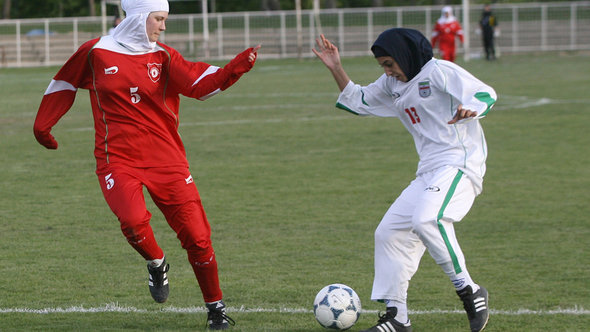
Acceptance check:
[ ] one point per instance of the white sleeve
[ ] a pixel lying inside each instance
(372, 99)
(472, 93)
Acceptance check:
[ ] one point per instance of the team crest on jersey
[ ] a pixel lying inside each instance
(424, 89)
(154, 71)
(111, 70)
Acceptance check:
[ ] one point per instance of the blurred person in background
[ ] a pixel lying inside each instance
(446, 30)
(488, 24)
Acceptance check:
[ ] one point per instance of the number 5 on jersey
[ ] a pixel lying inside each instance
(135, 97)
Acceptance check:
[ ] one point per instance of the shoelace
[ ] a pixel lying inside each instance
(218, 316)
(468, 304)
(384, 318)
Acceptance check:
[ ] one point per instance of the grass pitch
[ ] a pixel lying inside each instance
(294, 189)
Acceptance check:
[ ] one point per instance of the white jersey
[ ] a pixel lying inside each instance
(424, 105)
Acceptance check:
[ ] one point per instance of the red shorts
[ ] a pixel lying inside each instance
(172, 190)
(447, 52)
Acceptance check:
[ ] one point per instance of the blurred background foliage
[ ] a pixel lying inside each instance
(76, 8)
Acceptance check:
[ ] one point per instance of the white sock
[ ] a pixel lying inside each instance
(156, 262)
(460, 280)
(402, 310)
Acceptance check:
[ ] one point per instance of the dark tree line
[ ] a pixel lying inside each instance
(68, 8)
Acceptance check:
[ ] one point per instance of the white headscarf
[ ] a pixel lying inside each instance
(131, 32)
(443, 18)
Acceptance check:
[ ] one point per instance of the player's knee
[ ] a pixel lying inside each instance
(383, 234)
(134, 234)
(135, 229)
(192, 227)
(423, 223)
(201, 256)
(386, 236)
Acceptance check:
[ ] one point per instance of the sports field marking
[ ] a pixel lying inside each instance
(508, 102)
(114, 307)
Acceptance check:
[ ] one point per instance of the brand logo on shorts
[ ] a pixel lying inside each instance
(154, 70)
(424, 89)
(189, 180)
(432, 189)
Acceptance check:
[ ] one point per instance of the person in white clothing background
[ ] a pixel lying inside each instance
(440, 104)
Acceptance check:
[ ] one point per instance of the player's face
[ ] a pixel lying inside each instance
(391, 68)
(155, 24)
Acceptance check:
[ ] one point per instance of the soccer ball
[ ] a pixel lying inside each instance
(337, 306)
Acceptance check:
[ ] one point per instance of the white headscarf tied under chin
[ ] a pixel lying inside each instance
(443, 18)
(131, 32)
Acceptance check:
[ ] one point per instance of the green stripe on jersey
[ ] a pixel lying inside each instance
(486, 98)
(440, 225)
(363, 98)
(342, 107)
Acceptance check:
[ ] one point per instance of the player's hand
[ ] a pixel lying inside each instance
(46, 139)
(462, 113)
(243, 62)
(327, 52)
(252, 56)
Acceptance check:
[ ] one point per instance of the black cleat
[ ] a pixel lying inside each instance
(387, 323)
(159, 282)
(476, 306)
(216, 317)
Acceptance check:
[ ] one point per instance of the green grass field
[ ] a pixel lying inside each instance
(294, 189)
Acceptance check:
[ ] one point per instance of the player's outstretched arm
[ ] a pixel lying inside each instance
(328, 53)
(243, 62)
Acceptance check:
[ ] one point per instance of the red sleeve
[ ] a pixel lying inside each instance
(201, 80)
(435, 35)
(459, 32)
(60, 94)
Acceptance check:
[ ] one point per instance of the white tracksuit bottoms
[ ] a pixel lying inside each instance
(421, 218)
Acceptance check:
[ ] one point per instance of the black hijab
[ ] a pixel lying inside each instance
(408, 47)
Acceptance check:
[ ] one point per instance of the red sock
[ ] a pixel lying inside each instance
(207, 276)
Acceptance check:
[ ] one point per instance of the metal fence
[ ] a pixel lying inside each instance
(524, 27)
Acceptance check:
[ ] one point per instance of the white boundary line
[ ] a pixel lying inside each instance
(115, 307)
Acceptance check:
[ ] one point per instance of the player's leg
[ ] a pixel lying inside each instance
(492, 47)
(122, 188)
(452, 53)
(486, 42)
(398, 251)
(447, 199)
(178, 198)
(445, 51)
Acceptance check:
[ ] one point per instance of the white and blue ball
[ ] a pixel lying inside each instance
(337, 306)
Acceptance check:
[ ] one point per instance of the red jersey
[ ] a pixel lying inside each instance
(134, 98)
(446, 32)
